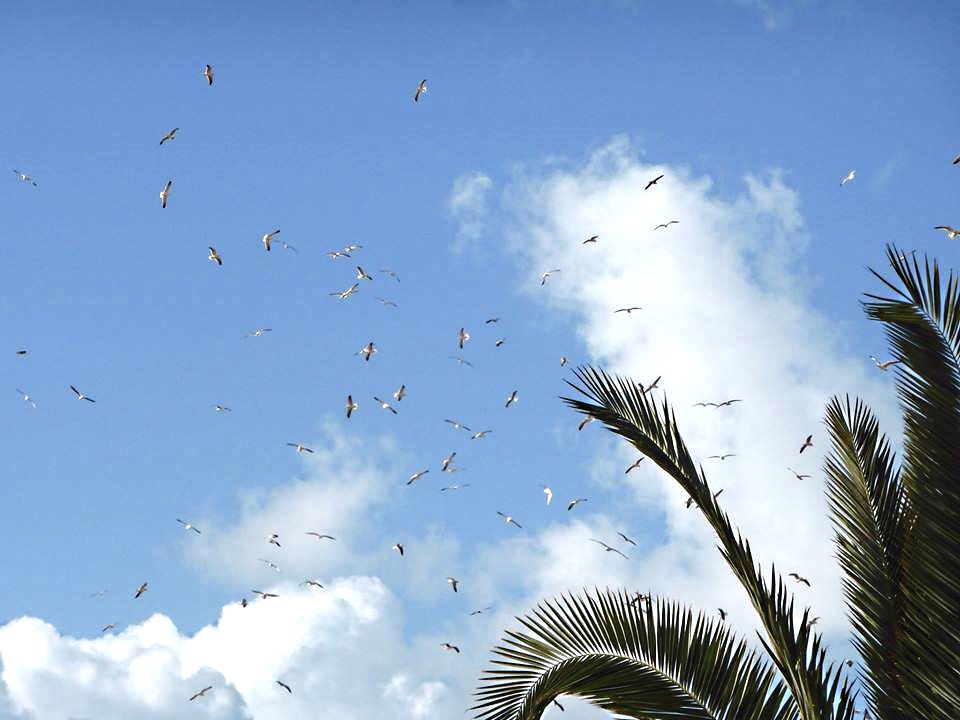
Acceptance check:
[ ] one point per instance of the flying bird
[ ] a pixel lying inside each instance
(508, 519)
(812, 621)
(448, 462)
(481, 611)
(416, 476)
(591, 239)
(319, 536)
(80, 395)
(214, 256)
(461, 360)
(267, 238)
(627, 310)
(885, 365)
(653, 182)
(398, 547)
(651, 386)
(169, 136)
(312, 583)
(344, 294)
(799, 476)
(400, 393)
(362, 274)
(26, 397)
(270, 564)
(586, 421)
(189, 526)
(391, 273)
(511, 399)
(140, 590)
(165, 193)
(626, 539)
(546, 276)
(384, 405)
(208, 74)
(208, 688)
(548, 492)
(284, 686)
(666, 224)
(351, 406)
(458, 425)
(576, 501)
(386, 303)
(491, 321)
(800, 579)
(26, 178)
(849, 178)
(499, 341)
(287, 246)
(336, 254)
(448, 646)
(808, 443)
(368, 350)
(557, 703)
(264, 595)
(454, 487)
(274, 539)
(723, 614)
(563, 361)
(421, 89)
(453, 583)
(634, 466)
(21, 352)
(259, 332)
(721, 457)
(952, 233)
(301, 448)
(608, 548)
(111, 626)
(480, 435)
(956, 160)
(462, 337)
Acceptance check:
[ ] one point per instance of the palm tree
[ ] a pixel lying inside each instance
(897, 531)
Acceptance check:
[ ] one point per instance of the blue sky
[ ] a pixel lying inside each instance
(310, 127)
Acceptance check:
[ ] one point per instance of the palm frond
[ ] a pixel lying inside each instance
(649, 660)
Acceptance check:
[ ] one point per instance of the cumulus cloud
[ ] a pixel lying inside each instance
(468, 204)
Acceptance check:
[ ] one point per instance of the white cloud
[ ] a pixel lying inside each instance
(468, 205)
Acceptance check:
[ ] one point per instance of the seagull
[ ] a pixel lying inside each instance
(81, 396)
(362, 274)
(165, 193)
(609, 549)
(208, 688)
(591, 239)
(208, 74)
(586, 421)
(416, 476)
(421, 89)
(481, 611)
(301, 448)
(272, 565)
(653, 182)
(259, 332)
(626, 539)
(384, 405)
(351, 406)
(312, 583)
(368, 350)
(453, 583)
(548, 492)
(952, 233)
(398, 547)
(387, 303)
(169, 136)
(454, 487)
(285, 686)
(287, 246)
(461, 360)
(274, 539)
(111, 626)
(573, 503)
(458, 425)
(26, 178)
(849, 178)
(800, 579)
(344, 294)
(666, 224)
(448, 646)
(797, 475)
(26, 397)
(267, 237)
(508, 519)
(189, 526)
(885, 365)
(723, 614)
(806, 443)
(563, 361)
(99, 593)
(391, 273)
(627, 310)
(480, 435)
(21, 352)
(956, 160)
(557, 703)
(462, 337)
(499, 341)
(448, 462)
(214, 256)
(319, 536)
(400, 393)
(634, 466)
(335, 254)
(651, 386)
(351, 248)
(491, 321)
(511, 399)
(264, 595)
(721, 457)
(546, 276)
(140, 590)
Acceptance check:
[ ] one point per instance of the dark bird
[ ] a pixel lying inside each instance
(651, 386)
(350, 406)
(214, 256)
(956, 160)
(609, 549)
(798, 476)
(453, 583)
(511, 399)
(490, 321)
(723, 614)
(312, 583)
(140, 591)
(666, 224)
(626, 539)
(21, 352)
(576, 501)
(169, 136)
(480, 611)
(808, 443)
(398, 547)
(208, 74)
(634, 466)
(111, 626)
(800, 579)
(721, 457)
(318, 536)
(555, 702)
(627, 310)
(448, 646)
(208, 688)
(285, 686)
(586, 421)
(653, 182)
(591, 239)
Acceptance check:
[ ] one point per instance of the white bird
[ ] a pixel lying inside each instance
(351, 406)
(546, 276)
(448, 462)
(884, 365)
(548, 492)
(165, 193)
(462, 337)
(634, 466)
(169, 136)
(301, 448)
(287, 246)
(368, 350)
(952, 233)
(398, 547)
(267, 238)
(140, 590)
(453, 583)
(509, 519)
(511, 399)
(563, 361)
(461, 360)
(416, 476)
(344, 294)
(362, 274)
(849, 178)
(454, 487)
(26, 397)
(319, 536)
(458, 425)
(208, 74)
(274, 539)
(264, 595)
(384, 405)
(392, 274)
(499, 341)
(269, 564)
(259, 332)
(214, 256)
(386, 303)
(312, 583)
(189, 526)
(400, 393)
(421, 89)
(26, 178)
(480, 435)
(576, 501)
(337, 254)
(80, 395)
(609, 548)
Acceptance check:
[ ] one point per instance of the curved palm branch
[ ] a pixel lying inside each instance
(795, 650)
(647, 659)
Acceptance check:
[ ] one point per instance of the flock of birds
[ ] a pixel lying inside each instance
(447, 465)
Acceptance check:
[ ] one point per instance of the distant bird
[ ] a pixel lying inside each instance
(301, 448)
(591, 239)
(811, 622)
(140, 590)
(557, 703)
(689, 503)
(903, 255)
(270, 564)
(111, 626)
(544, 276)
(608, 548)
(511, 399)
(274, 539)
(398, 547)
(627, 310)
(214, 256)
(344, 294)
(26, 397)
(351, 248)
(499, 341)
(808, 443)
(312, 583)
(384, 405)
(208, 74)
(885, 365)
(651, 386)
(800, 579)
(267, 238)
(26, 178)
(386, 303)
(797, 475)
(721, 457)
(421, 89)
(653, 182)
(448, 646)
(448, 462)
(481, 611)
(508, 519)
(259, 332)
(368, 351)
(548, 492)
(189, 526)
(849, 178)
(165, 193)
(586, 421)
(461, 360)
(336, 254)
(576, 501)
(666, 224)
(640, 598)
(491, 321)
(462, 337)
(952, 233)
(400, 393)
(99, 593)
(362, 274)
(634, 466)
(416, 476)
(264, 595)
(169, 136)
(723, 614)
(391, 273)
(453, 583)
(287, 246)
(351, 406)
(956, 160)
(319, 536)
(454, 487)
(626, 539)
(80, 395)
(208, 688)
(21, 352)
(725, 403)
(458, 425)
(285, 686)
(243, 602)
(480, 435)
(563, 361)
